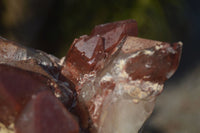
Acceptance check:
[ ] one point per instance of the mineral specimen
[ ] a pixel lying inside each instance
(107, 83)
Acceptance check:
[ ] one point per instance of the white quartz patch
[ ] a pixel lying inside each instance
(119, 69)
(158, 47)
(62, 61)
(148, 52)
(169, 74)
(107, 77)
(9, 129)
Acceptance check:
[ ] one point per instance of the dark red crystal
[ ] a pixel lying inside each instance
(45, 114)
(88, 53)
(114, 32)
(16, 88)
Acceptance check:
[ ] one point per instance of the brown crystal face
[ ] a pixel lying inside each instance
(16, 88)
(45, 114)
(114, 32)
(85, 55)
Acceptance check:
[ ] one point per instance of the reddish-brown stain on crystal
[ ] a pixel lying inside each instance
(155, 65)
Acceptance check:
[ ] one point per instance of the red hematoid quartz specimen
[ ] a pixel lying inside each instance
(107, 83)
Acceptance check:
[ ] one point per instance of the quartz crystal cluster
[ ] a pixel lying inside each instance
(107, 83)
